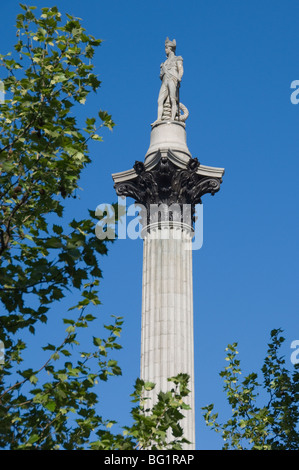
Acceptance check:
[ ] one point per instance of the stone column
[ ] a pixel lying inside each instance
(167, 312)
(165, 184)
(168, 177)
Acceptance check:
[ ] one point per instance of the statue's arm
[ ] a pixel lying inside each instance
(180, 69)
(162, 70)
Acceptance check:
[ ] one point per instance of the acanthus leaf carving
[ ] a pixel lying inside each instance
(167, 185)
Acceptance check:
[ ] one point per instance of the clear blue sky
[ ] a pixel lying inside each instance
(239, 59)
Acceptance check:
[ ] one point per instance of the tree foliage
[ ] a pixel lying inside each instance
(43, 151)
(272, 426)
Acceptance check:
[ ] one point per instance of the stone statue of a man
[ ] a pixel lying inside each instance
(171, 72)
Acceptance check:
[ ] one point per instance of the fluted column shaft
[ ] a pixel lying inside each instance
(167, 344)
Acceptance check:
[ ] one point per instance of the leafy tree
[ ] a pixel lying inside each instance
(43, 151)
(273, 426)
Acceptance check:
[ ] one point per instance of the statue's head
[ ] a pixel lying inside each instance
(170, 44)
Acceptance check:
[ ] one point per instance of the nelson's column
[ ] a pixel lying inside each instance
(167, 185)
